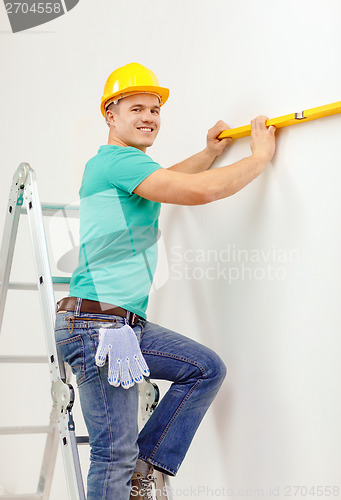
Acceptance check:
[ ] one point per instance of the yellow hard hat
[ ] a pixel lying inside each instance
(131, 79)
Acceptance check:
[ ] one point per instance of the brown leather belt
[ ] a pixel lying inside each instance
(94, 307)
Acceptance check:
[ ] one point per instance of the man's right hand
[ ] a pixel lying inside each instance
(263, 142)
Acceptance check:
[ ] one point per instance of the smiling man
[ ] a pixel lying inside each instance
(135, 120)
(105, 312)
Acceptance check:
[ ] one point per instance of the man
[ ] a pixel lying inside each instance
(105, 312)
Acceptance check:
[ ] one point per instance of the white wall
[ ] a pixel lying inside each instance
(269, 301)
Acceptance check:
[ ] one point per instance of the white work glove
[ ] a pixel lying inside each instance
(126, 363)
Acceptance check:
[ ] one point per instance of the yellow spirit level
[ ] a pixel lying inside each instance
(285, 121)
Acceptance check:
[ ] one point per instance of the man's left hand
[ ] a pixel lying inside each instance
(216, 146)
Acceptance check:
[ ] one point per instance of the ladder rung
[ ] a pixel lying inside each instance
(58, 282)
(50, 209)
(28, 429)
(34, 496)
(61, 279)
(23, 359)
(22, 286)
(82, 440)
(58, 206)
(54, 207)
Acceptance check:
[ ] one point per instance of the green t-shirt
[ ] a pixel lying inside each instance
(118, 230)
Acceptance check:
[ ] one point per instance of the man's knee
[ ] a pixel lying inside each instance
(221, 369)
(122, 456)
(217, 369)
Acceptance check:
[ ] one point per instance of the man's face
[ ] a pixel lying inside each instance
(136, 120)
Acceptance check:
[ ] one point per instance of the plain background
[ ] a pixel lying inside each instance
(255, 276)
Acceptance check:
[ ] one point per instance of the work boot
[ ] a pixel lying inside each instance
(142, 487)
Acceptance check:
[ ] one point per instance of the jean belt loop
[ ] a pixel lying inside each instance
(127, 317)
(78, 306)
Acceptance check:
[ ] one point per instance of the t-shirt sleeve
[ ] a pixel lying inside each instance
(129, 168)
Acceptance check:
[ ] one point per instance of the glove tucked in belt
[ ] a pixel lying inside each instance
(126, 362)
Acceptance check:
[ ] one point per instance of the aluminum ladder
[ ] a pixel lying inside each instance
(24, 199)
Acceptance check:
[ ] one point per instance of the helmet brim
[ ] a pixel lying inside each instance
(163, 92)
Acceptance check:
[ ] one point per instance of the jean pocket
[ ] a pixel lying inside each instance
(97, 324)
(72, 352)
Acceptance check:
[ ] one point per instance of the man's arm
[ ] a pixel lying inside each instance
(202, 161)
(166, 186)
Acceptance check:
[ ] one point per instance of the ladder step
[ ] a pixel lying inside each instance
(61, 279)
(82, 440)
(58, 281)
(23, 359)
(22, 286)
(59, 206)
(52, 208)
(29, 429)
(34, 496)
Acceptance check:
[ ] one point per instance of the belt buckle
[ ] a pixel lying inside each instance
(132, 318)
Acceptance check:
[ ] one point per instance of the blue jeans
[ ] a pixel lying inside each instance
(110, 413)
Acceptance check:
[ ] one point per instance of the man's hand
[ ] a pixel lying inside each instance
(216, 146)
(263, 142)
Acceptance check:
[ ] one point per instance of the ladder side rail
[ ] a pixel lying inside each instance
(49, 460)
(10, 233)
(47, 302)
(163, 489)
(44, 278)
(69, 443)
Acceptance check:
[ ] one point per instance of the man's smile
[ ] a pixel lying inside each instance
(145, 129)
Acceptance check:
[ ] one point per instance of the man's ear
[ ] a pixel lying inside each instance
(112, 117)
